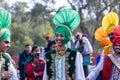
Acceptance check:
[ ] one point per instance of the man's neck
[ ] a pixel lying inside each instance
(118, 55)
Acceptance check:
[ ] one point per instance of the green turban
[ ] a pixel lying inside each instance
(5, 36)
(66, 21)
(62, 29)
(5, 21)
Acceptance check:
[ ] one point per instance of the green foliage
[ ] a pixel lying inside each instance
(31, 26)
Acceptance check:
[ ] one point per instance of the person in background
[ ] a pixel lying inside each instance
(35, 66)
(85, 48)
(52, 46)
(71, 43)
(22, 58)
(48, 39)
(7, 69)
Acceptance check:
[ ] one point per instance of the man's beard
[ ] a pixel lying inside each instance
(117, 51)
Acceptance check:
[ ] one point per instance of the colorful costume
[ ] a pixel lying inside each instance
(109, 22)
(69, 65)
(5, 63)
(111, 68)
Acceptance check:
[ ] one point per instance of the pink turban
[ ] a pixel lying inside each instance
(116, 41)
(117, 31)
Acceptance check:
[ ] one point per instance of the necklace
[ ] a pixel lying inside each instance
(60, 51)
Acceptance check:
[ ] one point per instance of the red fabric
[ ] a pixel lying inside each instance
(39, 68)
(107, 69)
(29, 71)
(117, 31)
(116, 41)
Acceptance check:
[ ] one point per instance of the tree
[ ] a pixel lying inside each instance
(91, 14)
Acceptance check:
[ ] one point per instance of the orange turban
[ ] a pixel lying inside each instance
(108, 49)
(105, 42)
(47, 37)
(100, 33)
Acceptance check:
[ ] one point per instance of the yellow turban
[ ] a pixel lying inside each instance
(110, 29)
(110, 21)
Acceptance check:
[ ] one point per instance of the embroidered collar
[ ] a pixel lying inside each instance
(114, 59)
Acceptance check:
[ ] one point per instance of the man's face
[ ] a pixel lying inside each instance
(117, 48)
(4, 45)
(28, 49)
(53, 47)
(111, 36)
(59, 38)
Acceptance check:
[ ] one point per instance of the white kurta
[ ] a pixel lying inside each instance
(12, 69)
(95, 72)
(87, 46)
(78, 69)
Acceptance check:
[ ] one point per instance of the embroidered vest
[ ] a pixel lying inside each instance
(7, 62)
(6, 65)
(107, 68)
(69, 64)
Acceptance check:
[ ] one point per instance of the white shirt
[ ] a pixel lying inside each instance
(12, 69)
(87, 45)
(78, 69)
(95, 72)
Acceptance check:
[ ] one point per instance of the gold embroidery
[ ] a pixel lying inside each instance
(69, 78)
(113, 59)
(71, 58)
(47, 60)
(67, 72)
(52, 56)
(52, 78)
(73, 75)
(52, 65)
(2, 64)
(61, 50)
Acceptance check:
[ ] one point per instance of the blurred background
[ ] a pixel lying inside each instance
(32, 19)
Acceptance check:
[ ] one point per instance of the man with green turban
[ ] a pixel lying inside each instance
(64, 63)
(7, 70)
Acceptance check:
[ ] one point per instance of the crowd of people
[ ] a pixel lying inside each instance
(66, 56)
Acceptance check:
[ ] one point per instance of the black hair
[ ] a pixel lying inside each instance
(27, 45)
(51, 42)
(34, 47)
